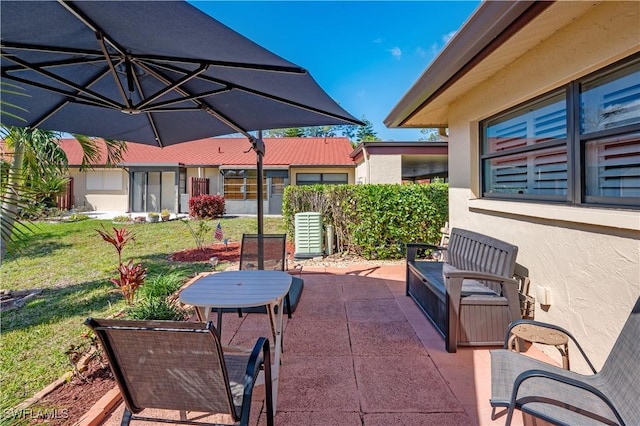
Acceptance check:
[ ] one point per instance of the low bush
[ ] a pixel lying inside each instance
(206, 206)
(154, 303)
(155, 308)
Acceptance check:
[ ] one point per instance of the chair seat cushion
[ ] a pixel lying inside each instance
(469, 287)
(295, 292)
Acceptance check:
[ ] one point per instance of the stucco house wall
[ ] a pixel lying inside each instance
(386, 169)
(589, 258)
(211, 173)
(103, 196)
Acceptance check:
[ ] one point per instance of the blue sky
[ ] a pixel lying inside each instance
(364, 54)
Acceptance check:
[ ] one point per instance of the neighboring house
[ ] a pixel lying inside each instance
(152, 178)
(397, 162)
(542, 103)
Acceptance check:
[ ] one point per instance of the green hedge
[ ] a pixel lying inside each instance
(375, 221)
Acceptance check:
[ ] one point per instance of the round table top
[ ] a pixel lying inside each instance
(537, 334)
(237, 289)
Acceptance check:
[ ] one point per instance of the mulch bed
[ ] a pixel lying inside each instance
(228, 253)
(66, 404)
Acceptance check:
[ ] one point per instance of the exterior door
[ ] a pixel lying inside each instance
(276, 185)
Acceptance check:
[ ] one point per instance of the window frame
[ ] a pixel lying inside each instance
(249, 178)
(575, 143)
(322, 180)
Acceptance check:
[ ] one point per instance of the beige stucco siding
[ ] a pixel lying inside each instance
(211, 173)
(589, 258)
(386, 169)
(97, 189)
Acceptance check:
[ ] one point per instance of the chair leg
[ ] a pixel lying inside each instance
(240, 312)
(126, 417)
(287, 300)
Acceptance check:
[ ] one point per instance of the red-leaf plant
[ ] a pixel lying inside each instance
(132, 275)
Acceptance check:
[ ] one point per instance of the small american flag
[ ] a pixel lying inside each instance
(218, 234)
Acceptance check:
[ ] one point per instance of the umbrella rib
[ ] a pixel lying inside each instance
(58, 79)
(171, 87)
(53, 64)
(112, 69)
(157, 106)
(50, 49)
(150, 118)
(259, 93)
(203, 105)
(228, 64)
(91, 25)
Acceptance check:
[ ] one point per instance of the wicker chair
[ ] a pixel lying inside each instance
(564, 397)
(181, 366)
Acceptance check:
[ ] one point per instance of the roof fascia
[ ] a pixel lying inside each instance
(493, 23)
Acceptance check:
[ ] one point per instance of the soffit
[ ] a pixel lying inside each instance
(436, 112)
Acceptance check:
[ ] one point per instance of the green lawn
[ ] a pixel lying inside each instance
(72, 264)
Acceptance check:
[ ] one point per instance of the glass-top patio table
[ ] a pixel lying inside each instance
(243, 289)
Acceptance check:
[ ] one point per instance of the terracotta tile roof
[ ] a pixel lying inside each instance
(232, 151)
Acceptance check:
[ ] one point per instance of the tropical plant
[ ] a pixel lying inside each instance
(131, 276)
(37, 172)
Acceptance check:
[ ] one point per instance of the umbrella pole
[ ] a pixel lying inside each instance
(259, 155)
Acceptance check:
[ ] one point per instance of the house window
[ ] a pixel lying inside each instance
(104, 180)
(578, 145)
(242, 185)
(322, 178)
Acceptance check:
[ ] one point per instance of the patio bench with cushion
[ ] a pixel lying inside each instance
(470, 296)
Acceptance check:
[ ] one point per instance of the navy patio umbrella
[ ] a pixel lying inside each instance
(158, 73)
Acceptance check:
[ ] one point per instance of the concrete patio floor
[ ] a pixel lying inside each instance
(359, 352)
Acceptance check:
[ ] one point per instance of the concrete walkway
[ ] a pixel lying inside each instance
(359, 352)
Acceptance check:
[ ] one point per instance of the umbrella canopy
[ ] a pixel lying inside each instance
(149, 72)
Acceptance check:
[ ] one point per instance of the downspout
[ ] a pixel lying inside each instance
(367, 163)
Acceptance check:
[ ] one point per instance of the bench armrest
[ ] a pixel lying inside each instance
(550, 327)
(412, 249)
(453, 284)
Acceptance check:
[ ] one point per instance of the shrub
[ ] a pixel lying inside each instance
(206, 206)
(155, 303)
(155, 308)
(375, 221)
(161, 285)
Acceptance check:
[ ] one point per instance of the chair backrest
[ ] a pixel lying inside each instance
(166, 365)
(621, 370)
(273, 246)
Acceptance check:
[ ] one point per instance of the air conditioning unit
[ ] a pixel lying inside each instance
(308, 240)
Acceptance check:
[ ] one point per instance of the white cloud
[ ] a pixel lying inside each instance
(448, 37)
(378, 40)
(397, 52)
(421, 52)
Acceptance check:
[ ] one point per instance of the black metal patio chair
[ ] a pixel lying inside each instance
(610, 396)
(182, 366)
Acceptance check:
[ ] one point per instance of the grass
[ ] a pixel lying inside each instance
(72, 265)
